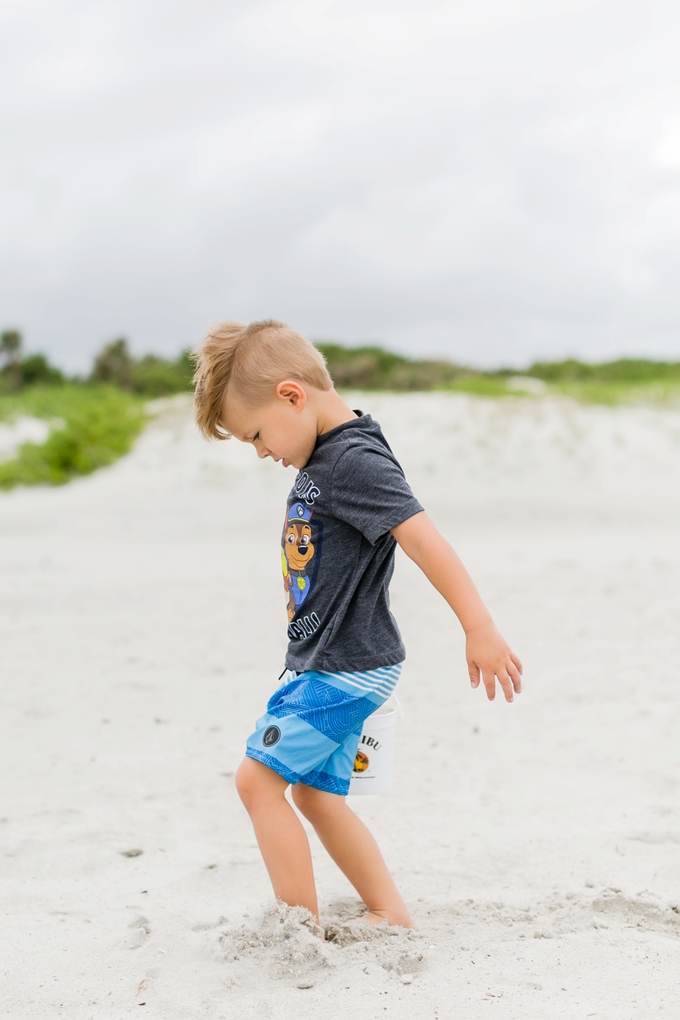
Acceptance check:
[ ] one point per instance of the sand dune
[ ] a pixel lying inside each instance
(538, 844)
(23, 430)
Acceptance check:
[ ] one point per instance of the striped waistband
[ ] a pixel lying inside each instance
(381, 681)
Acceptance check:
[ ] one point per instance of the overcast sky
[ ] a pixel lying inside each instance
(491, 181)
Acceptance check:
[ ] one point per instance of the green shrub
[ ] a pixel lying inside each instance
(151, 375)
(157, 377)
(94, 426)
(114, 364)
(610, 382)
(36, 370)
(631, 371)
(373, 368)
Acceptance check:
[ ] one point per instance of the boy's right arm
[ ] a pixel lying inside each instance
(488, 654)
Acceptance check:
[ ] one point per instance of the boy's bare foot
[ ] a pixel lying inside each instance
(376, 917)
(372, 917)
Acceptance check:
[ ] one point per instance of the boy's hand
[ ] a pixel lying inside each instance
(489, 656)
(488, 653)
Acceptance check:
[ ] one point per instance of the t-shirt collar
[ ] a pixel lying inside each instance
(362, 419)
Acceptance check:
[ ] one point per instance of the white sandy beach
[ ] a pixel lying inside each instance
(142, 628)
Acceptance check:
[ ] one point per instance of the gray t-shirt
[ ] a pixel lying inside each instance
(338, 553)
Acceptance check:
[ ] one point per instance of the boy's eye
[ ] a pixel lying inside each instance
(256, 436)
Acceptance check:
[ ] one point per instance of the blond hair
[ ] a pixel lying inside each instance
(250, 361)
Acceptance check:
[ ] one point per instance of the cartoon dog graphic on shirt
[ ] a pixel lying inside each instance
(297, 554)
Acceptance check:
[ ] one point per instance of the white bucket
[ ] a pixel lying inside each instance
(375, 753)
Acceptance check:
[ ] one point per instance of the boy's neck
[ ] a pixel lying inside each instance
(331, 411)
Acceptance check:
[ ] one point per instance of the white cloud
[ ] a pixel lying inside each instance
(492, 181)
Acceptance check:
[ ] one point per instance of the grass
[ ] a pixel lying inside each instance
(612, 393)
(616, 394)
(623, 381)
(94, 426)
(96, 423)
(480, 385)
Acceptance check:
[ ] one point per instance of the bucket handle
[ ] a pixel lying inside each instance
(399, 706)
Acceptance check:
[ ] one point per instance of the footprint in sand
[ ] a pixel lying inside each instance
(140, 929)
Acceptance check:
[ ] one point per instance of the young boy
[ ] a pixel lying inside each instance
(349, 506)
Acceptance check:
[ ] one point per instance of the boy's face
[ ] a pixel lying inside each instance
(284, 429)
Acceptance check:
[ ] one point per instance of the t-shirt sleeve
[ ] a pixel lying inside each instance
(370, 492)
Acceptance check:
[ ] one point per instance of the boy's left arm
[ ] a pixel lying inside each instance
(487, 652)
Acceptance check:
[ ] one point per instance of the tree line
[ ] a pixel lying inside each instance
(366, 367)
(150, 375)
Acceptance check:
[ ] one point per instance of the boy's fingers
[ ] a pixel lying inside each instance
(506, 683)
(473, 670)
(516, 677)
(517, 662)
(490, 684)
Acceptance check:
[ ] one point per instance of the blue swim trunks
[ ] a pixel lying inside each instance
(311, 729)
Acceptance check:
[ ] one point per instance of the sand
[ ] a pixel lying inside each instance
(538, 844)
(23, 430)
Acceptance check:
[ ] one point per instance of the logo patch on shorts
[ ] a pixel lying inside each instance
(272, 735)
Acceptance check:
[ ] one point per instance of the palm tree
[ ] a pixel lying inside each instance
(10, 345)
(10, 350)
(114, 364)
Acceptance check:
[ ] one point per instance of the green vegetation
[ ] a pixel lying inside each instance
(94, 425)
(625, 380)
(96, 420)
(622, 381)
(150, 375)
(373, 368)
(17, 372)
(623, 370)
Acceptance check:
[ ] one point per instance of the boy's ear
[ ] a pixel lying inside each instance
(292, 392)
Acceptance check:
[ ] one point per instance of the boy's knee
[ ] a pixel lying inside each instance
(243, 781)
(315, 803)
(255, 781)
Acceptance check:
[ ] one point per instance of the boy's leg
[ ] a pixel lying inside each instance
(355, 851)
(281, 838)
